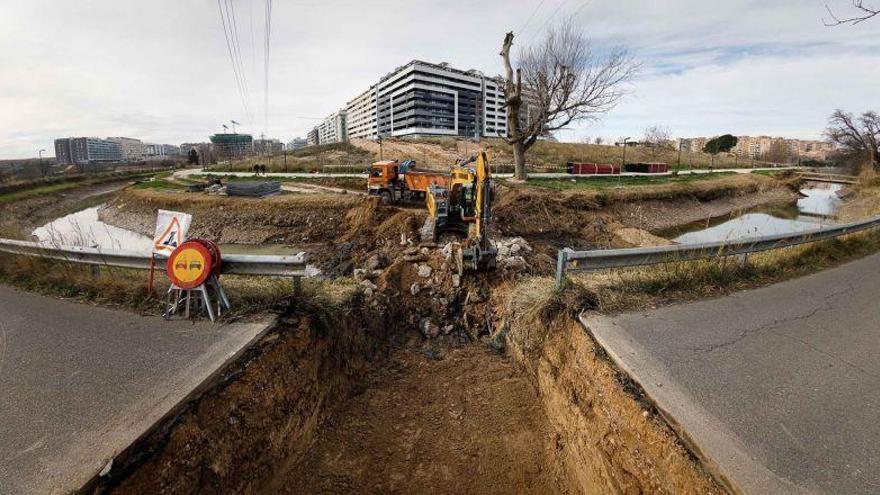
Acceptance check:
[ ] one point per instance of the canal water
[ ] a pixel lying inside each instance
(815, 209)
(83, 228)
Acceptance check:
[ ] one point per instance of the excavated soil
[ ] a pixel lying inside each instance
(454, 420)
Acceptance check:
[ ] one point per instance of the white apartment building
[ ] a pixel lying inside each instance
(132, 149)
(333, 129)
(425, 99)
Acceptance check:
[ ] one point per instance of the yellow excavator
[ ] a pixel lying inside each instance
(462, 209)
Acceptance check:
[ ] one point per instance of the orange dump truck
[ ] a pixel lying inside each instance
(393, 181)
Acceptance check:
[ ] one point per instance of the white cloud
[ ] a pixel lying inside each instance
(159, 70)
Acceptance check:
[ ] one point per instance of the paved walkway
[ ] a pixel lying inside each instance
(185, 173)
(779, 387)
(79, 383)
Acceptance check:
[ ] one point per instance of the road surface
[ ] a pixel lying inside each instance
(189, 172)
(79, 383)
(779, 387)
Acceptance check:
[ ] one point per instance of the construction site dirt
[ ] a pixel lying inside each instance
(412, 378)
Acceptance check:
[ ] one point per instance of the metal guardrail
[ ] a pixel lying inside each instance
(232, 264)
(569, 260)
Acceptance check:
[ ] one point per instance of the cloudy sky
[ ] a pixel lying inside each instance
(159, 70)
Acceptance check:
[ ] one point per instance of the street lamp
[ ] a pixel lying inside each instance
(623, 161)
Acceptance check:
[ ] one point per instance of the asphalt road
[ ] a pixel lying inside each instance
(778, 387)
(79, 383)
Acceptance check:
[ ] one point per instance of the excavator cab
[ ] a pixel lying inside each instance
(463, 209)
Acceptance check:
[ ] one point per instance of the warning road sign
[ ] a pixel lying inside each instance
(189, 265)
(171, 229)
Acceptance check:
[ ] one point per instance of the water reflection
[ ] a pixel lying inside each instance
(819, 202)
(84, 229)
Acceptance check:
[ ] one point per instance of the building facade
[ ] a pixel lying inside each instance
(297, 143)
(425, 99)
(160, 151)
(312, 137)
(85, 150)
(232, 145)
(333, 129)
(132, 149)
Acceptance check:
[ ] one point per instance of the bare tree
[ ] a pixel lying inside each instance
(658, 139)
(558, 82)
(856, 136)
(863, 13)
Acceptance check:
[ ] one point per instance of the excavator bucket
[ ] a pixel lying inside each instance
(477, 259)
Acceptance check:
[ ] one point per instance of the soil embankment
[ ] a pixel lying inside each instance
(611, 437)
(20, 217)
(551, 220)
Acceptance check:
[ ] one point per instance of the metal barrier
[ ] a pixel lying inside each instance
(233, 264)
(569, 260)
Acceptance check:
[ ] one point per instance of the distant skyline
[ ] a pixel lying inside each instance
(160, 71)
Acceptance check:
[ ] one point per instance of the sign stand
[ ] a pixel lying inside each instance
(194, 269)
(177, 299)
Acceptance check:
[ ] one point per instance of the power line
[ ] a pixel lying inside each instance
(236, 44)
(267, 44)
(524, 26)
(562, 4)
(231, 52)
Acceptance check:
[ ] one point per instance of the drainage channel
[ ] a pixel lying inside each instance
(816, 208)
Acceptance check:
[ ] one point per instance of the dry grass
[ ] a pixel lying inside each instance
(127, 288)
(549, 154)
(183, 200)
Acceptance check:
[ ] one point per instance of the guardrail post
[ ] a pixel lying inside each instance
(561, 260)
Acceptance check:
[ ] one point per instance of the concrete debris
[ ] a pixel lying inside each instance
(456, 280)
(428, 328)
(448, 329)
(424, 271)
(403, 240)
(368, 284)
(414, 289)
(415, 258)
(411, 251)
(515, 263)
(359, 273)
(375, 262)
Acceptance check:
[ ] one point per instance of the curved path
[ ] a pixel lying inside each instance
(778, 387)
(80, 383)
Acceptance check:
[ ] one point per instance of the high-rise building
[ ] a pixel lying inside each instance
(85, 150)
(160, 151)
(425, 99)
(132, 149)
(333, 129)
(232, 145)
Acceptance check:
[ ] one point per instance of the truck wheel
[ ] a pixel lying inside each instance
(385, 197)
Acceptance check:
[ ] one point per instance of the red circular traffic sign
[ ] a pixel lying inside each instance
(190, 265)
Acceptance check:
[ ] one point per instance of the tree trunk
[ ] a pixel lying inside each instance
(519, 161)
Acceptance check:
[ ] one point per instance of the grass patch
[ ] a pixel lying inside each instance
(40, 190)
(631, 289)
(606, 182)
